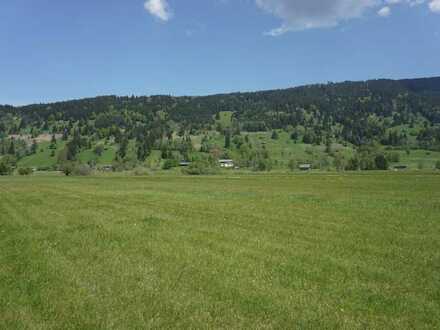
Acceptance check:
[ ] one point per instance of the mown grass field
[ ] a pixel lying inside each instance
(313, 251)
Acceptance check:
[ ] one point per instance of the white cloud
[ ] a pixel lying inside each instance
(393, 2)
(434, 5)
(307, 14)
(159, 8)
(384, 12)
(299, 15)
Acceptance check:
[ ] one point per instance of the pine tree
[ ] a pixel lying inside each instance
(227, 139)
(123, 146)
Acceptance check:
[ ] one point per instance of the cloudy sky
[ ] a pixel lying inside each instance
(55, 50)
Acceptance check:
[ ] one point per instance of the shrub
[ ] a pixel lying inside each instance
(45, 168)
(82, 170)
(262, 165)
(5, 169)
(323, 163)
(25, 171)
(170, 163)
(120, 165)
(353, 164)
(141, 171)
(340, 163)
(67, 168)
(437, 165)
(294, 136)
(381, 162)
(201, 167)
(293, 164)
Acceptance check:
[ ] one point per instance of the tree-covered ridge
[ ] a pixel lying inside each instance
(396, 113)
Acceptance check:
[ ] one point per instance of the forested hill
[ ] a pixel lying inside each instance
(395, 113)
(336, 102)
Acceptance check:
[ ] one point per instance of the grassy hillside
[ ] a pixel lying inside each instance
(43, 158)
(104, 159)
(305, 251)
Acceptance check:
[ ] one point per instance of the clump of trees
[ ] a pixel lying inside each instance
(5, 168)
(25, 171)
(203, 166)
(76, 169)
(7, 165)
(368, 158)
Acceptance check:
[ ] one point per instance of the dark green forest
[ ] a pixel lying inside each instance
(369, 117)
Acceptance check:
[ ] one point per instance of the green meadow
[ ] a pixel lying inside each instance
(304, 251)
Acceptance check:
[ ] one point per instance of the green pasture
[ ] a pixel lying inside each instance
(305, 251)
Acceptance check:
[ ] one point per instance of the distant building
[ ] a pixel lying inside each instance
(107, 168)
(184, 164)
(305, 167)
(226, 163)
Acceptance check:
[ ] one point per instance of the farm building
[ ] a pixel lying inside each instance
(305, 167)
(184, 164)
(106, 168)
(226, 163)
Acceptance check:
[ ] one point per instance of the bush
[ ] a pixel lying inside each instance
(120, 165)
(381, 162)
(294, 136)
(82, 170)
(262, 165)
(25, 171)
(5, 169)
(201, 167)
(292, 165)
(141, 171)
(339, 162)
(323, 163)
(353, 164)
(170, 163)
(67, 168)
(45, 168)
(437, 165)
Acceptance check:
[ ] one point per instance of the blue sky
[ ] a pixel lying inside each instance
(59, 49)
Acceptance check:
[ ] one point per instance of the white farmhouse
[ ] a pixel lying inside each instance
(226, 163)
